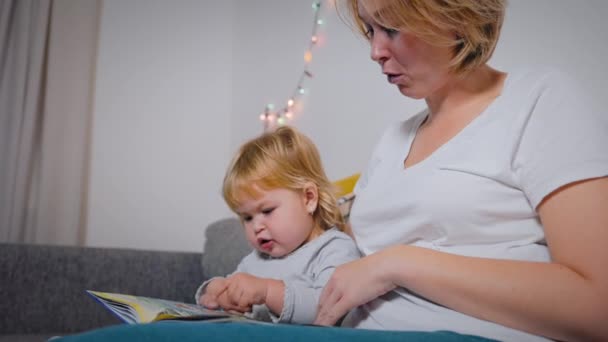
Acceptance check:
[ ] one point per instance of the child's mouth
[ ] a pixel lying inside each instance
(266, 244)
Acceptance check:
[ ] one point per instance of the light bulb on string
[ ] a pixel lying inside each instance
(280, 116)
(308, 56)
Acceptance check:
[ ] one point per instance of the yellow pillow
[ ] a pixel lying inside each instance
(345, 187)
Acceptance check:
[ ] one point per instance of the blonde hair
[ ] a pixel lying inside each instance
(471, 27)
(286, 159)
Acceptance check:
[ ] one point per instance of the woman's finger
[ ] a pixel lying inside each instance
(327, 312)
(326, 292)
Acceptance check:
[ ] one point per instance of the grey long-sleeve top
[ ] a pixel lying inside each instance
(304, 272)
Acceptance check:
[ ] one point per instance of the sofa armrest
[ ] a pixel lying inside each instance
(43, 287)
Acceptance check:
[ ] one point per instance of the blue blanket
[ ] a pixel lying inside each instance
(191, 331)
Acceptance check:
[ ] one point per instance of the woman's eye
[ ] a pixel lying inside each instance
(390, 32)
(369, 31)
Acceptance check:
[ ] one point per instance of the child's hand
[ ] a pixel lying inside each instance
(214, 290)
(244, 290)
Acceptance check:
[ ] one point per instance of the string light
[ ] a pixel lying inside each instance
(283, 115)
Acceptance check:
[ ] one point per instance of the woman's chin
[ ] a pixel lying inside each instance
(409, 92)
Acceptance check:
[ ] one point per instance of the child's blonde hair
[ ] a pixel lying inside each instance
(286, 159)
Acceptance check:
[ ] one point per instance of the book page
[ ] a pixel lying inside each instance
(137, 309)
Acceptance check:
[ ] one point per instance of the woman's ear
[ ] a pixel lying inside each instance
(311, 197)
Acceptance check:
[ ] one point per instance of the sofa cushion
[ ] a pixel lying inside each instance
(225, 246)
(43, 287)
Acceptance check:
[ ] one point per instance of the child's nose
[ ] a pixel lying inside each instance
(258, 224)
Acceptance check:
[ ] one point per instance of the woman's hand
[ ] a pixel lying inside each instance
(353, 284)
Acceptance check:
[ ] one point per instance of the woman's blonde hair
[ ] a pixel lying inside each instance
(471, 27)
(285, 159)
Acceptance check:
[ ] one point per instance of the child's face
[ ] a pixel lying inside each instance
(278, 222)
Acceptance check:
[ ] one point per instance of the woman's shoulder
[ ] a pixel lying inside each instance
(530, 89)
(542, 77)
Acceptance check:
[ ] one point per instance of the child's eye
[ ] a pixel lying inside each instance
(246, 218)
(267, 211)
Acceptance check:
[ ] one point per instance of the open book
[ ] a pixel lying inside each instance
(137, 309)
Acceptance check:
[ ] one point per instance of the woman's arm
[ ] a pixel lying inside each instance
(566, 299)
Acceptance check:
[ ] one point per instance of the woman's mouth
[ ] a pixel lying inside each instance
(393, 78)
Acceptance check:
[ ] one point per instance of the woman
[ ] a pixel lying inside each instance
(487, 213)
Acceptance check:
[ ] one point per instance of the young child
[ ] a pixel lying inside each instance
(277, 186)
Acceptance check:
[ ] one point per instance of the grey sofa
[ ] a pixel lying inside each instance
(42, 288)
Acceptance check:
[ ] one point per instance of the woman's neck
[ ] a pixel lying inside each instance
(460, 93)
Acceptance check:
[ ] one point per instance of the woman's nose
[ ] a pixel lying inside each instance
(379, 49)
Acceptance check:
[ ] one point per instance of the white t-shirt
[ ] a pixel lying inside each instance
(476, 195)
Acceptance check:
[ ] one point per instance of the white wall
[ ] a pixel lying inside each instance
(348, 101)
(181, 84)
(161, 123)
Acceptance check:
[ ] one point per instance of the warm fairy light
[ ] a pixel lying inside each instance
(282, 115)
(308, 57)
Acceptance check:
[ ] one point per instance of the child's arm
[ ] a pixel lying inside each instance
(275, 295)
(302, 293)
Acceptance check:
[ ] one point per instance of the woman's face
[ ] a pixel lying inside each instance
(416, 67)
